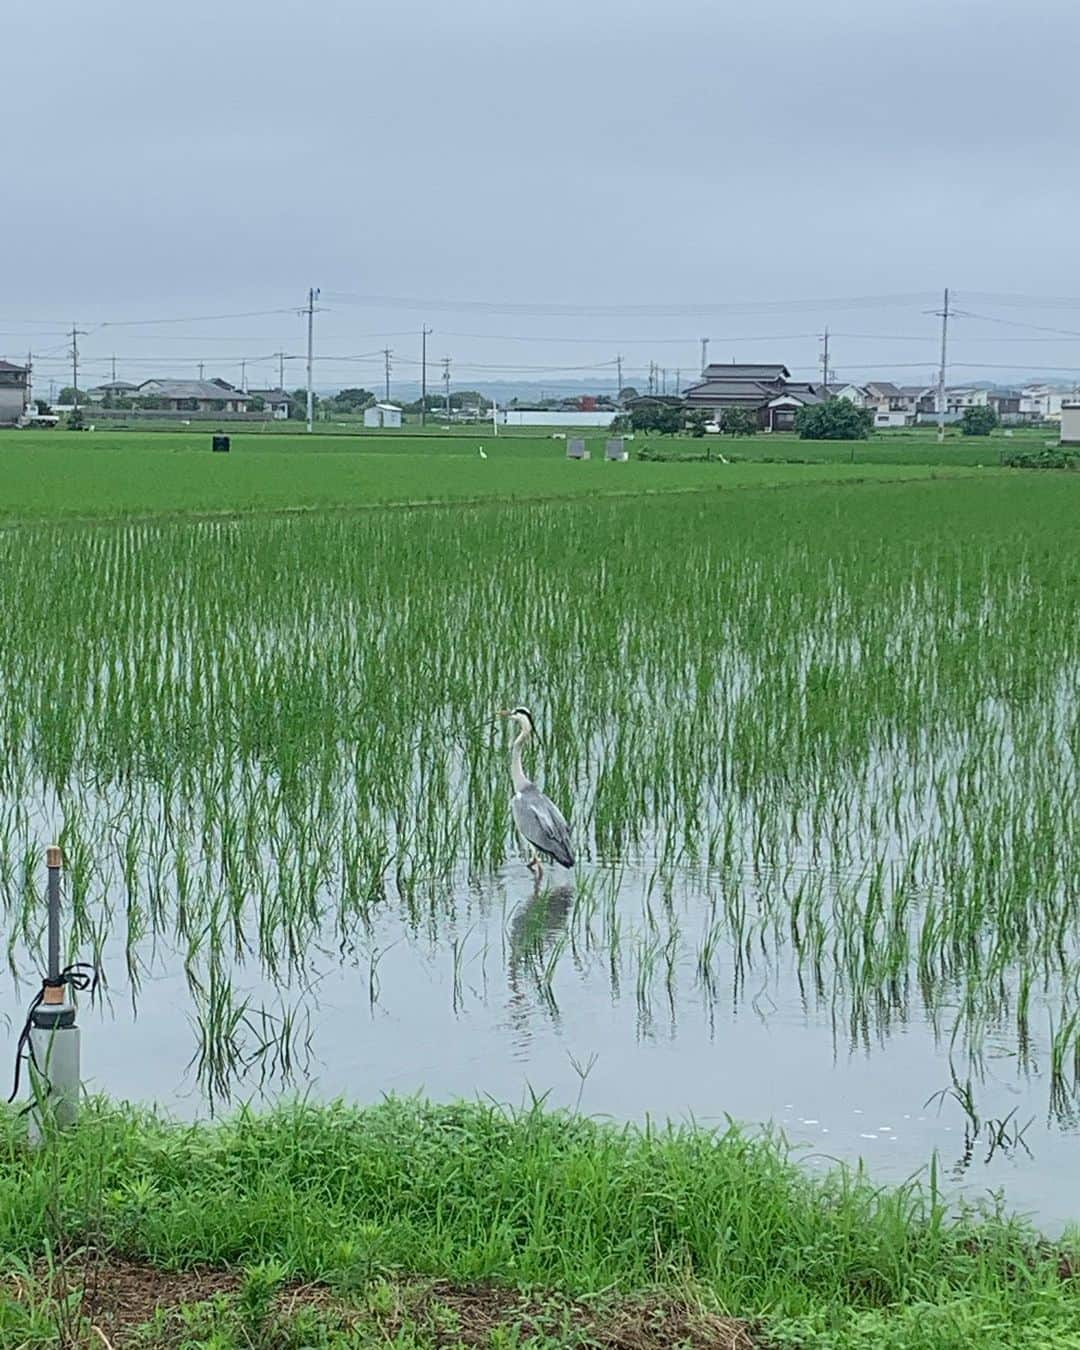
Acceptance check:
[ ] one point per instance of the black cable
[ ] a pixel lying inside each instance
(75, 975)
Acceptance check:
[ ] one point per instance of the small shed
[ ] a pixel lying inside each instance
(382, 415)
(1070, 421)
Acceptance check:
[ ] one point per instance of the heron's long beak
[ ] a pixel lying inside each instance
(503, 712)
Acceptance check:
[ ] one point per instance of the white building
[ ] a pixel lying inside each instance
(14, 392)
(956, 400)
(1041, 402)
(382, 415)
(572, 417)
(1070, 421)
(854, 393)
(274, 401)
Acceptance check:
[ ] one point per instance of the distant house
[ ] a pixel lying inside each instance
(854, 393)
(1006, 403)
(113, 389)
(918, 399)
(957, 400)
(275, 401)
(382, 415)
(194, 396)
(14, 392)
(780, 411)
(767, 390)
(1041, 403)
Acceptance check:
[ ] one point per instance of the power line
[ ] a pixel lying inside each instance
(653, 310)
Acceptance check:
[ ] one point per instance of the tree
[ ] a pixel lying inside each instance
(75, 420)
(69, 394)
(352, 400)
(696, 422)
(628, 392)
(978, 421)
(298, 403)
(257, 404)
(738, 422)
(834, 420)
(664, 418)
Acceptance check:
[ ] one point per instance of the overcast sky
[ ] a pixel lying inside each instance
(201, 159)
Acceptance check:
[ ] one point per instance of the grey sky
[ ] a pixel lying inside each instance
(219, 158)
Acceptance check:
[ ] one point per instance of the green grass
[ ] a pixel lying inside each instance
(53, 475)
(470, 1193)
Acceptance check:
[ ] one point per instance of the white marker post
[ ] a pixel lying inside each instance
(54, 1037)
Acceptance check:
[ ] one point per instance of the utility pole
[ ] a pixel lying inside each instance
(941, 371)
(704, 354)
(76, 333)
(618, 367)
(243, 376)
(446, 382)
(825, 363)
(281, 369)
(202, 369)
(29, 381)
(424, 333)
(386, 358)
(114, 369)
(663, 375)
(678, 380)
(313, 293)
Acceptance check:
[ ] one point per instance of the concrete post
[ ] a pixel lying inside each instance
(54, 1037)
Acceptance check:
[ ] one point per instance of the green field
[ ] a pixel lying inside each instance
(820, 749)
(50, 475)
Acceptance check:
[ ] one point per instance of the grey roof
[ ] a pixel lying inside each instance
(916, 390)
(718, 370)
(114, 387)
(9, 369)
(720, 389)
(191, 389)
(883, 388)
(804, 393)
(270, 395)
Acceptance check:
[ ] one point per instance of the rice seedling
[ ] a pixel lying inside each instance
(823, 737)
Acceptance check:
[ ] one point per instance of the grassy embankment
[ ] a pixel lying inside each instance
(408, 1224)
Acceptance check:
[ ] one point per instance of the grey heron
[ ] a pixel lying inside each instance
(540, 822)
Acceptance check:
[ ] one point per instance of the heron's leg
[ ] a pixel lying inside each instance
(537, 869)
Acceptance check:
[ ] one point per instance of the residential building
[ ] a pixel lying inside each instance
(1041, 403)
(956, 400)
(112, 389)
(14, 392)
(1006, 403)
(1070, 421)
(780, 411)
(275, 401)
(918, 398)
(194, 396)
(854, 393)
(382, 415)
(886, 396)
(766, 390)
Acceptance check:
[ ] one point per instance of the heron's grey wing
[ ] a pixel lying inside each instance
(542, 824)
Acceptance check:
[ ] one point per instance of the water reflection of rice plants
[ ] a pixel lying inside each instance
(840, 735)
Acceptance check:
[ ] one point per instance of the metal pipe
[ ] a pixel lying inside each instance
(54, 860)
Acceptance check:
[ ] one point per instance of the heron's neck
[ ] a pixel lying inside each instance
(517, 773)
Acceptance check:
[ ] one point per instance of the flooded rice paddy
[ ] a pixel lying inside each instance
(820, 752)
